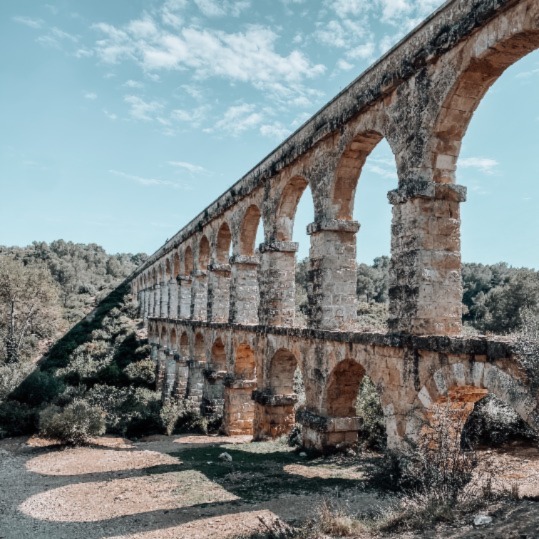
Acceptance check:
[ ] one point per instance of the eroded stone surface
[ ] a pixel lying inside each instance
(420, 97)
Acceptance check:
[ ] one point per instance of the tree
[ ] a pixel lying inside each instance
(28, 307)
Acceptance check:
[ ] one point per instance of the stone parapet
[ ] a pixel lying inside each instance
(234, 383)
(267, 399)
(218, 267)
(279, 247)
(327, 424)
(427, 189)
(244, 260)
(212, 375)
(333, 225)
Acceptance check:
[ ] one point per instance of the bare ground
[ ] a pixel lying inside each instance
(177, 487)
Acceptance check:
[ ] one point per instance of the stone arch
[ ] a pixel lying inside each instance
(343, 387)
(281, 375)
(203, 253)
(153, 334)
(224, 239)
(348, 171)
(199, 348)
(173, 339)
(461, 385)
(249, 227)
(218, 355)
(286, 211)
(482, 61)
(167, 269)
(245, 364)
(154, 276)
(163, 337)
(188, 260)
(184, 346)
(176, 264)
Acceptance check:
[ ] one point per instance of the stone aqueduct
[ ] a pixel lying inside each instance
(220, 311)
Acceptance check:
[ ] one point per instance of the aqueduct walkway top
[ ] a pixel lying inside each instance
(228, 308)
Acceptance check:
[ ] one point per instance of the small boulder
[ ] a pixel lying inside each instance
(481, 520)
(226, 457)
(303, 454)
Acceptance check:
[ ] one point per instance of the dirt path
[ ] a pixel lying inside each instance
(164, 488)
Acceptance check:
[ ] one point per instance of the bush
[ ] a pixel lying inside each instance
(141, 372)
(369, 409)
(74, 425)
(11, 375)
(16, 419)
(184, 416)
(493, 423)
(39, 388)
(435, 472)
(128, 410)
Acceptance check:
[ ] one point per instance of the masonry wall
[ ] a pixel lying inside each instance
(420, 97)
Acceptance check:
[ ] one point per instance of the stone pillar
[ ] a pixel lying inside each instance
(163, 313)
(332, 274)
(213, 392)
(148, 301)
(173, 299)
(277, 283)
(273, 414)
(199, 295)
(327, 433)
(151, 302)
(154, 352)
(244, 295)
(239, 407)
(141, 302)
(425, 288)
(169, 375)
(218, 292)
(185, 296)
(157, 301)
(181, 377)
(161, 367)
(195, 380)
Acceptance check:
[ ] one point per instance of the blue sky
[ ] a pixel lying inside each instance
(122, 120)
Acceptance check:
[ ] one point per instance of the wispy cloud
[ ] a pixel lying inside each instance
(347, 8)
(147, 182)
(237, 119)
(214, 8)
(133, 84)
(28, 21)
(83, 53)
(275, 130)
(110, 115)
(55, 38)
(189, 167)
(141, 109)
(486, 165)
(92, 96)
(247, 56)
(527, 74)
(194, 117)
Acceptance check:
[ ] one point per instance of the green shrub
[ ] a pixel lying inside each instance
(16, 419)
(38, 388)
(141, 372)
(127, 408)
(184, 416)
(493, 423)
(75, 424)
(369, 409)
(11, 375)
